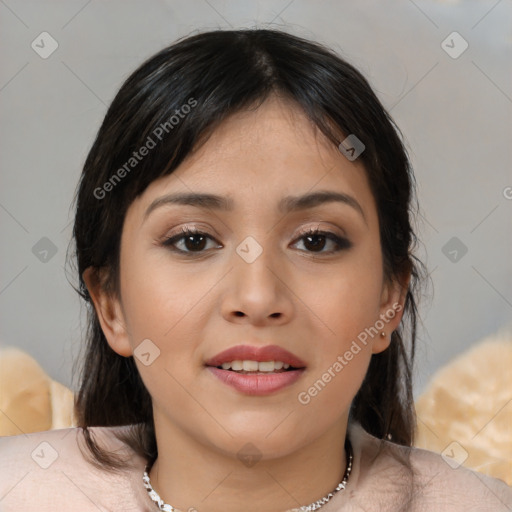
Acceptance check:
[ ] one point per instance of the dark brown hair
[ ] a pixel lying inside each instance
(225, 72)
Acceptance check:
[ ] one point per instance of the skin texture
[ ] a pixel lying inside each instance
(294, 294)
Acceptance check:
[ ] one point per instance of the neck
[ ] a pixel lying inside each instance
(190, 475)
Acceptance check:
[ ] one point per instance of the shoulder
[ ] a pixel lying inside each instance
(43, 469)
(443, 480)
(422, 481)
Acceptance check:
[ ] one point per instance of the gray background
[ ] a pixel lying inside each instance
(455, 114)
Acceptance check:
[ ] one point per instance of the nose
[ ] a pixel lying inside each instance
(257, 291)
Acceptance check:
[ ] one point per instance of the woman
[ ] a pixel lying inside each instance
(243, 239)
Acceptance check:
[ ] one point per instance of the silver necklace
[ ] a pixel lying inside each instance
(313, 506)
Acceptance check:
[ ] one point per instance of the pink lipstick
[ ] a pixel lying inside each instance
(256, 370)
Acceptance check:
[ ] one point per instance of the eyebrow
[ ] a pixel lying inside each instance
(286, 204)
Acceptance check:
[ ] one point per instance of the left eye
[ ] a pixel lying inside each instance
(195, 241)
(312, 237)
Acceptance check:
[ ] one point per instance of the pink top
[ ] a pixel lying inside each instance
(46, 471)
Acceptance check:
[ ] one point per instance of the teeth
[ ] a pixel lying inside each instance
(251, 366)
(267, 366)
(255, 366)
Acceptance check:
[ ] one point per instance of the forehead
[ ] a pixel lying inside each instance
(258, 156)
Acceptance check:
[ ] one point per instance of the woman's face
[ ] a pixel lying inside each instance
(252, 277)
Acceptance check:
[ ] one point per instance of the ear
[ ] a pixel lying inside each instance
(391, 310)
(109, 312)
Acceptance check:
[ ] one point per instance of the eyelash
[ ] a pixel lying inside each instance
(342, 243)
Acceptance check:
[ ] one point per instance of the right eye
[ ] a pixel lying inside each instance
(192, 240)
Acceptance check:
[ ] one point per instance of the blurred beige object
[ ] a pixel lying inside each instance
(469, 403)
(30, 401)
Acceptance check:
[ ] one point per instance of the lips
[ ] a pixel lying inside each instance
(257, 384)
(253, 353)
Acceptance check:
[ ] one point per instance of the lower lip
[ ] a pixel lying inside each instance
(257, 384)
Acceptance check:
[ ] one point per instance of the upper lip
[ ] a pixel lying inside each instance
(253, 353)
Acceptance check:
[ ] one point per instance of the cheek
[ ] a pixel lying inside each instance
(345, 298)
(332, 388)
(157, 297)
(341, 362)
(162, 303)
(347, 305)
